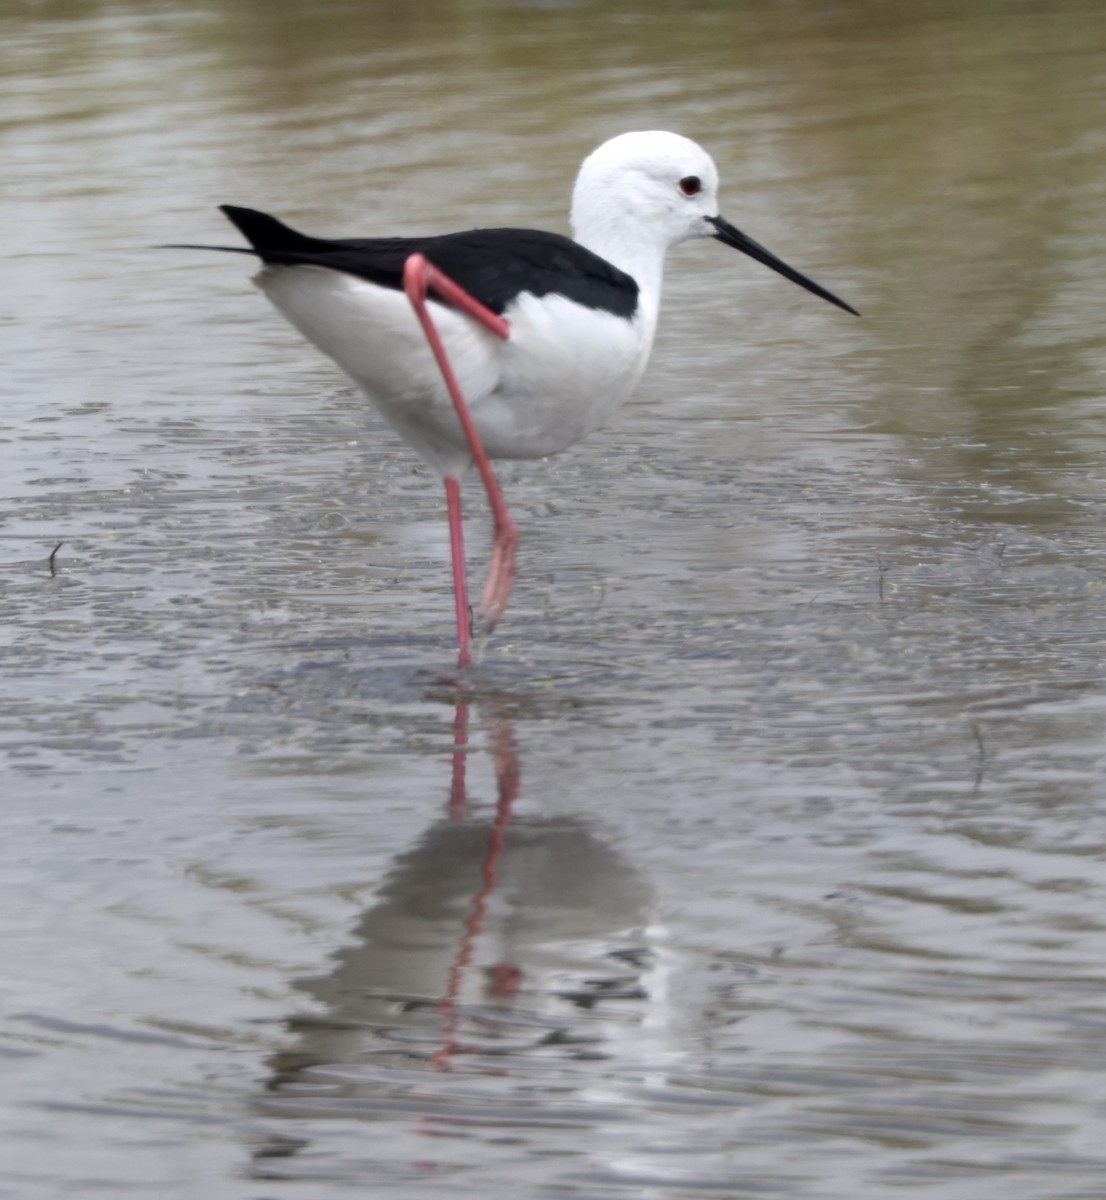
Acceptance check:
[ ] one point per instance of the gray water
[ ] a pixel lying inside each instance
(763, 853)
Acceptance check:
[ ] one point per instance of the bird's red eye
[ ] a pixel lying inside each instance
(690, 185)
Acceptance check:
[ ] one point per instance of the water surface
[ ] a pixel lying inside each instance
(763, 853)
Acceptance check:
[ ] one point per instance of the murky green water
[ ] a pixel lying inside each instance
(763, 855)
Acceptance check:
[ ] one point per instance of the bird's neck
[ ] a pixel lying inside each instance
(640, 257)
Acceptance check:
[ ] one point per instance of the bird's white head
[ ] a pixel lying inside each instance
(654, 187)
(640, 193)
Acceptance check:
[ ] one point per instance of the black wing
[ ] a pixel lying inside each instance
(494, 265)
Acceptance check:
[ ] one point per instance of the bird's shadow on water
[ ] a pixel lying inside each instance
(502, 946)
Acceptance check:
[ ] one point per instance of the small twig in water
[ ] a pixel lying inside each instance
(981, 765)
(53, 556)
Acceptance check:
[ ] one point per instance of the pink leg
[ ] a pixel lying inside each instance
(419, 278)
(460, 575)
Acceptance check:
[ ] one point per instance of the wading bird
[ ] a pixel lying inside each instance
(504, 343)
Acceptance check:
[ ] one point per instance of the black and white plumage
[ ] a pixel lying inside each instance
(492, 265)
(582, 311)
(546, 336)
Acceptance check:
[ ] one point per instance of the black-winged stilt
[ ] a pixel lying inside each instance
(532, 339)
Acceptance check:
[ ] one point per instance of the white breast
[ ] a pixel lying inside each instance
(560, 374)
(564, 371)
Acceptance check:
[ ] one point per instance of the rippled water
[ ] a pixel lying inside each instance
(763, 854)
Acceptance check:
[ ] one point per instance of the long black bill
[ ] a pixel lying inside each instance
(729, 236)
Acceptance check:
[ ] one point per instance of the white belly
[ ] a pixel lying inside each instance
(561, 373)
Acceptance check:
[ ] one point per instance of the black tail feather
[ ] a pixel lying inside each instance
(266, 233)
(194, 246)
(271, 240)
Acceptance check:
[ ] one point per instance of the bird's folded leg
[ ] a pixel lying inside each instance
(420, 277)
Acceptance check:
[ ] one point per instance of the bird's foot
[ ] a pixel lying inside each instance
(501, 573)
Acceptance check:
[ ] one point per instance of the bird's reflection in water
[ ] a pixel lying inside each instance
(498, 939)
